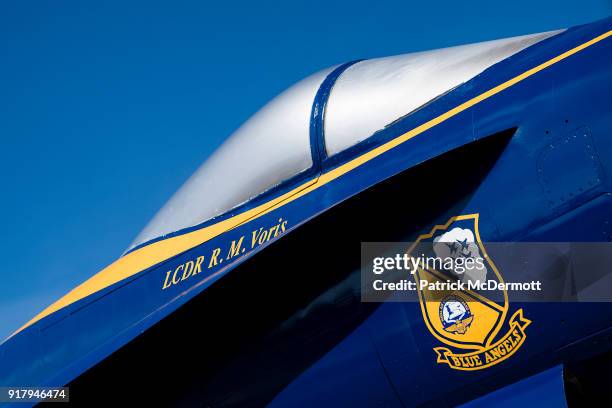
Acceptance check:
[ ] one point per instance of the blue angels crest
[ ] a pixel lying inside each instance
(466, 318)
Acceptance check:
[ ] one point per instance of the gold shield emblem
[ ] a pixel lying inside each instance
(464, 319)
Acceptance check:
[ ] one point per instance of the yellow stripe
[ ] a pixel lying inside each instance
(159, 251)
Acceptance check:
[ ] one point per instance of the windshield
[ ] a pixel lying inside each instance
(271, 147)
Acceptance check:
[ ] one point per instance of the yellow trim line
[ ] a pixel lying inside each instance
(159, 251)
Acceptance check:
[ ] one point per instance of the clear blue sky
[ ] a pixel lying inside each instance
(106, 109)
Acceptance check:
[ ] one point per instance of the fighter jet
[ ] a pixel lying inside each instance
(244, 289)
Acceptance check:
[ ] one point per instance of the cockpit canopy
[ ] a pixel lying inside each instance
(274, 145)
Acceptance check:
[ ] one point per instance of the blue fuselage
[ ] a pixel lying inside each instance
(548, 181)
